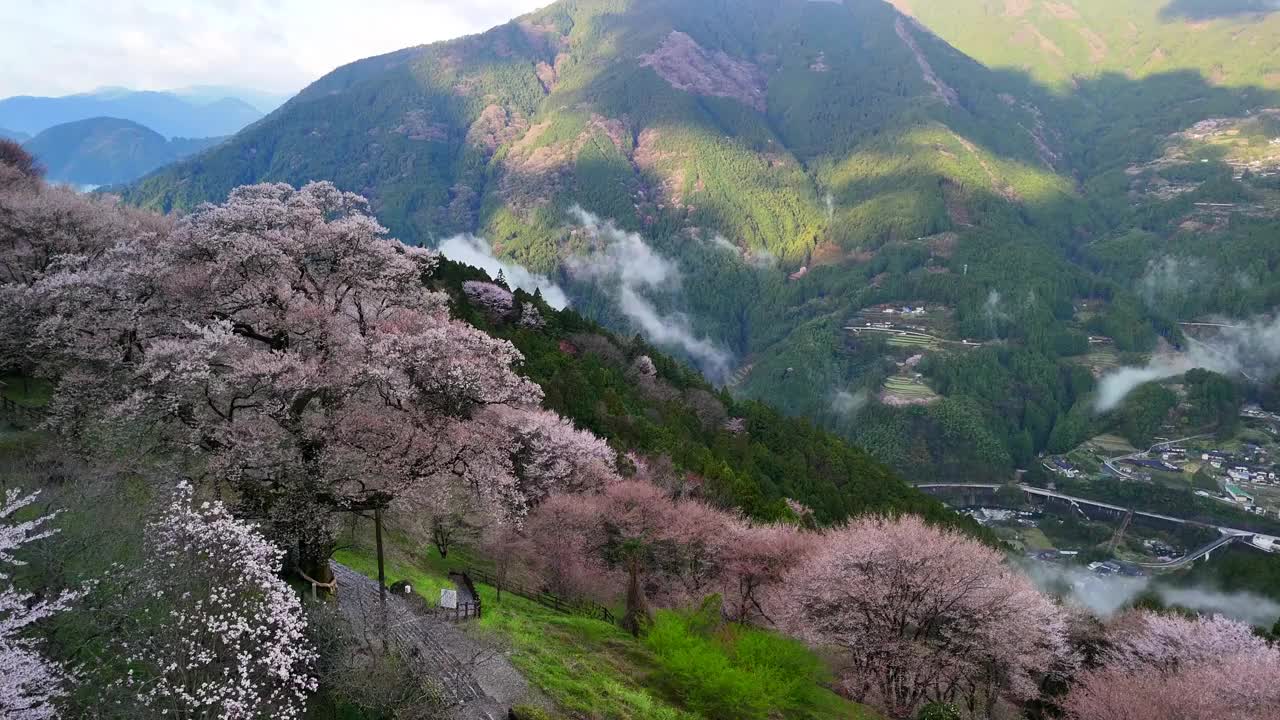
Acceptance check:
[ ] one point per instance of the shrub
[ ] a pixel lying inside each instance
(732, 671)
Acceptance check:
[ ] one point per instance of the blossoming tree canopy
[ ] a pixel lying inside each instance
(921, 614)
(29, 682)
(1159, 666)
(291, 348)
(214, 633)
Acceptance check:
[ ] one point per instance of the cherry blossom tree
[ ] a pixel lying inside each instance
(41, 228)
(756, 559)
(17, 166)
(636, 532)
(292, 352)
(1169, 667)
(495, 300)
(30, 684)
(921, 614)
(211, 631)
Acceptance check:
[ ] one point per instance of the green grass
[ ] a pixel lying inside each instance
(590, 669)
(426, 583)
(31, 392)
(735, 672)
(1035, 539)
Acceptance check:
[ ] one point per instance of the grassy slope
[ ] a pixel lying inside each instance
(588, 668)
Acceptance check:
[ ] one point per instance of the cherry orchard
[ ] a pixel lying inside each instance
(293, 354)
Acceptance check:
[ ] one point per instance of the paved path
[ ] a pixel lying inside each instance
(478, 681)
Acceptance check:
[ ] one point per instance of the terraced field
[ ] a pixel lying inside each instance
(905, 390)
(1101, 360)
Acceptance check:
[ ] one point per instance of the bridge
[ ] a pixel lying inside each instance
(973, 493)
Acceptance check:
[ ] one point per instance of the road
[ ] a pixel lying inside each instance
(1226, 539)
(1227, 535)
(1144, 454)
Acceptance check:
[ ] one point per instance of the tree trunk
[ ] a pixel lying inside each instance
(637, 614)
(313, 560)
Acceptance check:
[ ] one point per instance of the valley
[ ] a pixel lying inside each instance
(631, 359)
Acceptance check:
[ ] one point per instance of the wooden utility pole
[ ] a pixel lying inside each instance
(382, 575)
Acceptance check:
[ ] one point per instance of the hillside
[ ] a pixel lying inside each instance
(797, 170)
(1231, 43)
(165, 113)
(103, 151)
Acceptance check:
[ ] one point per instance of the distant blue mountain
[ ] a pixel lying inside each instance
(164, 112)
(105, 151)
(7, 134)
(261, 100)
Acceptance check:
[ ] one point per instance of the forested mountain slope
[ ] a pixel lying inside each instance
(101, 151)
(792, 169)
(1229, 42)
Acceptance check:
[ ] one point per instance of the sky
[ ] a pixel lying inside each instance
(58, 47)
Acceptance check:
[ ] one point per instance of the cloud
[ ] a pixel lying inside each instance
(845, 403)
(625, 262)
(994, 312)
(1104, 596)
(474, 251)
(1246, 607)
(1250, 349)
(1169, 280)
(759, 259)
(52, 47)
(723, 243)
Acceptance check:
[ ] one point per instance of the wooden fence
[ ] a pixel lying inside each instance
(462, 612)
(546, 599)
(9, 407)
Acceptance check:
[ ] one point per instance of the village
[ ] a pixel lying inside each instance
(1243, 471)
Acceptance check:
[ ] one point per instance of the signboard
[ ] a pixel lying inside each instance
(448, 598)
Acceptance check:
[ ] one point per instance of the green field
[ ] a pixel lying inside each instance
(913, 340)
(1111, 445)
(909, 388)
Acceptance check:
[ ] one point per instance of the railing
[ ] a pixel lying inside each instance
(546, 599)
(462, 611)
(9, 407)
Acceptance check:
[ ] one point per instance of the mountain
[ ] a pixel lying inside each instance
(261, 100)
(6, 134)
(164, 113)
(825, 205)
(1229, 42)
(103, 151)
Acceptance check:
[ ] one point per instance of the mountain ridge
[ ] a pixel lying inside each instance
(165, 113)
(800, 165)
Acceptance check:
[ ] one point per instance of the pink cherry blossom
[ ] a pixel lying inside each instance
(921, 614)
(1169, 667)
